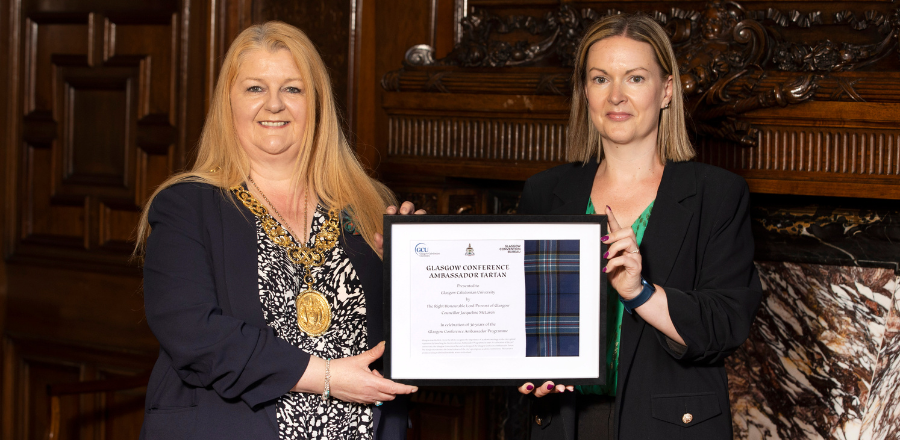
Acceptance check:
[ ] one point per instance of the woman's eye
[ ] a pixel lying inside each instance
(637, 79)
(293, 90)
(599, 79)
(254, 89)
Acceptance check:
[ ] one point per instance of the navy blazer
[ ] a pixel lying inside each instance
(221, 369)
(698, 246)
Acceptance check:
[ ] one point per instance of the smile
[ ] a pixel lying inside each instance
(617, 116)
(273, 123)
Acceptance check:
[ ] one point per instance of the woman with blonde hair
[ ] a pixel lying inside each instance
(683, 290)
(262, 273)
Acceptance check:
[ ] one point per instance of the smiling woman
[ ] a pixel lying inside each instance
(269, 107)
(683, 288)
(625, 91)
(262, 276)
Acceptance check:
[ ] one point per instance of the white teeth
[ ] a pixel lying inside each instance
(272, 124)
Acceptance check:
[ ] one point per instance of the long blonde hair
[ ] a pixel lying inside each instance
(326, 163)
(583, 139)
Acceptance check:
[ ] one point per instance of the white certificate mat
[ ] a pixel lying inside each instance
(499, 300)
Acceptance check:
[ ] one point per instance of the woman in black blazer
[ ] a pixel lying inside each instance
(683, 272)
(262, 275)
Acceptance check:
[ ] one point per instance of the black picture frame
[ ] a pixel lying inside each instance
(398, 221)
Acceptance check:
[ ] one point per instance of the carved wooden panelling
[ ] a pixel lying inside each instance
(107, 415)
(799, 98)
(468, 138)
(99, 129)
(860, 152)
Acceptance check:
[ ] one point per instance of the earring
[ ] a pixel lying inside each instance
(667, 105)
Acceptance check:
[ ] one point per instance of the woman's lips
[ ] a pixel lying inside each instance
(273, 124)
(618, 116)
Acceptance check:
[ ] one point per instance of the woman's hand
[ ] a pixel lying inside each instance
(406, 208)
(623, 268)
(351, 379)
(547, 388)
(624, 263)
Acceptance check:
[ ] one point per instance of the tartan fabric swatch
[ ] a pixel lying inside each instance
(551, 297)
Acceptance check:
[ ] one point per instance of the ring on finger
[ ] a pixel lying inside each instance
(634, 251)
(378, 403)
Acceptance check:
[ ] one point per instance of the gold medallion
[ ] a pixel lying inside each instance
(313, 310)
(313, 313)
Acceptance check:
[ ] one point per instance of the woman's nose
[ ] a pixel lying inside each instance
(616, 95)
(274, 103)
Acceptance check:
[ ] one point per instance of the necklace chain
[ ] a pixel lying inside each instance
(303, 255)
(280, 217)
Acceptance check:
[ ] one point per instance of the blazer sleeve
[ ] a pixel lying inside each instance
(714, 318)
(207, 347)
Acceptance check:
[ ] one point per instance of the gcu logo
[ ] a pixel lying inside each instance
(421, 249)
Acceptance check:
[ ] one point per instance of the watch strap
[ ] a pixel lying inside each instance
(644, 296)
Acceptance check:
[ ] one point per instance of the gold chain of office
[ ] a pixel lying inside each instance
(313, 310)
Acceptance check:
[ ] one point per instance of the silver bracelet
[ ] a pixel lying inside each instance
(327, 393)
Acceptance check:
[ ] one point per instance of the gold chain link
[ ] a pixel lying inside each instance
(302, 255)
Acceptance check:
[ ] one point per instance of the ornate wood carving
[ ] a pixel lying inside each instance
(740, 63)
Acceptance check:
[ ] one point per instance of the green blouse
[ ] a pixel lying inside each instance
(614, 316)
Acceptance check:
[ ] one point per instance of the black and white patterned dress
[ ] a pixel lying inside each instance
(304, 415)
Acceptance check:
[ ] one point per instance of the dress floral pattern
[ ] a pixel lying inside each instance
(305, 415)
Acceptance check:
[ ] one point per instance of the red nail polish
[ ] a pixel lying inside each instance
(549, 387)
(604, 238)
(529, 387)
(604, 270)
(606, 255)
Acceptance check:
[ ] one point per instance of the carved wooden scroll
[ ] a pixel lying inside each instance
(820, 85)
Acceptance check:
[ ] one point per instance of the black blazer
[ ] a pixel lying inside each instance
(221, 369)
(699, 247)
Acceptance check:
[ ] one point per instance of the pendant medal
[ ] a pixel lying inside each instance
(313, 312)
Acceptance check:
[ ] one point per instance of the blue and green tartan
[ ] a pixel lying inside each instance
(551, 297)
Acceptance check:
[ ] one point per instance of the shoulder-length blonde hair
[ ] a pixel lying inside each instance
(583, 139)
(326, 163)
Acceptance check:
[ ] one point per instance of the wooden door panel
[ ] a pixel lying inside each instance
(99, 129)
(106, 97)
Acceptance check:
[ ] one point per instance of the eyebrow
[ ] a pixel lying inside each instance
(626, 72)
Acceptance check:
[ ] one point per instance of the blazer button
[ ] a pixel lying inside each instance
(537, 419)
(687, 418)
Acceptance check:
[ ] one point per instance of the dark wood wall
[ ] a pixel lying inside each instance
(104, 99)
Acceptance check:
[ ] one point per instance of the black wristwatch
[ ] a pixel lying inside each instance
(646, 293)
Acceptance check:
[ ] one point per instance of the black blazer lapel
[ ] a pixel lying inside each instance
(660, 247)
(573, 192)
(240, 262)
(668, 222)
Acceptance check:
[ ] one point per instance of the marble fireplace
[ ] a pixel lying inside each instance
(823, 358)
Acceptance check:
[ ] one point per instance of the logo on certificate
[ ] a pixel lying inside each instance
(469, 251)
(421, 250)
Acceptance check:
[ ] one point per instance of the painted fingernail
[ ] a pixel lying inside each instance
(529, 387)
(549, 387)
(607, 207)
(606, 255)
(604, 238)
(604, 270)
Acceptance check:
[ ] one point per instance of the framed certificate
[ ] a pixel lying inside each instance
(495, 299)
